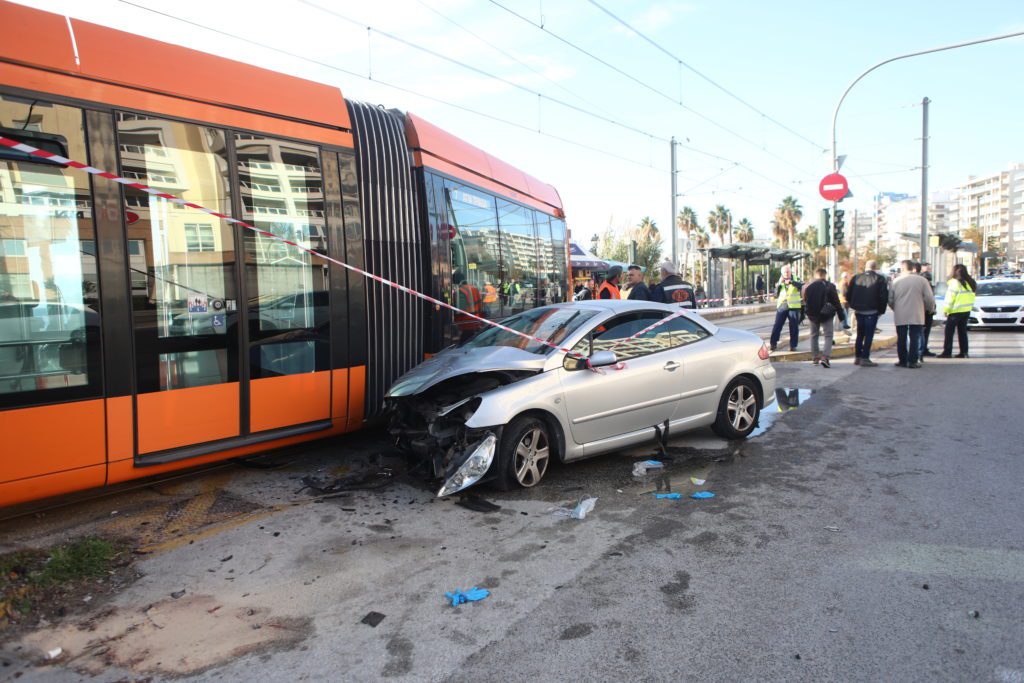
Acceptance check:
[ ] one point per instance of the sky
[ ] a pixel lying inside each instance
(746, 86)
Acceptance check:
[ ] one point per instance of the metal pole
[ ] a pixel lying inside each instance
(855, 231)
(924, 177)
(672, 230)
(835, 114)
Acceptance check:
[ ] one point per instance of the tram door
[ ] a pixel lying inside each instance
(230, 328)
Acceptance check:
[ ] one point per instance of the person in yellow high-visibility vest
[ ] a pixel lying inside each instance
(959, 301)
(787, 309)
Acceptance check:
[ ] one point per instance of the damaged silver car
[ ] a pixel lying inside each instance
(500, 407)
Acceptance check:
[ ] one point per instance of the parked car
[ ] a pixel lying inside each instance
(500, 407)
(999, 302)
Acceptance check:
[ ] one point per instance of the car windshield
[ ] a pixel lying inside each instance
(553, 324)
(1000, 288)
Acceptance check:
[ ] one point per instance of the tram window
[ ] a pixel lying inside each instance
(181, 270)
(560, 266)
(49, 289)
(476, 264)
(550, 281)
(519, 257)
(287, 287)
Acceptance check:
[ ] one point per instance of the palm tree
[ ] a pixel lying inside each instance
(687, 221)
(719, 222)
(745, 231)
(787, 215)
(703, 240)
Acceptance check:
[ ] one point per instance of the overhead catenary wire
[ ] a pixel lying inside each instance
(705, 77)
(653, 89)
(482, 72)
(452, 105)
(410, 91)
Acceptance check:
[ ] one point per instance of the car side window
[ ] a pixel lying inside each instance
(614, 335)
(682, 331)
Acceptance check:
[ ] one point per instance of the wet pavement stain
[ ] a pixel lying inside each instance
(576, 631)
(786, 399)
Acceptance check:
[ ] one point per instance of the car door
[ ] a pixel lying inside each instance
(704, 362)
(607, 402)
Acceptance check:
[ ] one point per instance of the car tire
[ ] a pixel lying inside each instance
(524, 455)
(738, 411)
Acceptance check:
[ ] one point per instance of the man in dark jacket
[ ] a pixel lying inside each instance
(821, 305)
(638, 288)
(673, 289)
(868, 295)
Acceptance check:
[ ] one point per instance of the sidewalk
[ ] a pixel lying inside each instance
(842, 347)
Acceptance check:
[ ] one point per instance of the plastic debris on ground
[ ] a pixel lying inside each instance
(671, 496)
(697, 482)
(474, 594)
(477, 504)
(372, 619)
(831, 528)
(702, 494)
(640, 468)
(54, 653)
(585, 506)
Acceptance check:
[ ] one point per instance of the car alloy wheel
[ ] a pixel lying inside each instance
(742, 407)
(738, 410)
(531, 457)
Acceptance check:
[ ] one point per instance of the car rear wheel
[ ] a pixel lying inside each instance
(524, 455)
(738, 410)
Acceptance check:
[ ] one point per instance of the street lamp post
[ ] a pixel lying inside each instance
(941, 48)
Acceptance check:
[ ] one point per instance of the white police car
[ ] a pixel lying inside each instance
(999, 302)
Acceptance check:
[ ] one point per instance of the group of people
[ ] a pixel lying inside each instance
(671, 289)
(910, 295)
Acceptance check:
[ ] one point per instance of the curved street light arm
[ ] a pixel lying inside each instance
(835, 114)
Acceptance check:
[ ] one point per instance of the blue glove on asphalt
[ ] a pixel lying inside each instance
(673, 496)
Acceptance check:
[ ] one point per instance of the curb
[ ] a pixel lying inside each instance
(733, 311)
(844, 351)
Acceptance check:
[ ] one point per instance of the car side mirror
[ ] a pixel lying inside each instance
(601, 359)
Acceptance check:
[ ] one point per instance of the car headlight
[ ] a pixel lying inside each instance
(474, 467)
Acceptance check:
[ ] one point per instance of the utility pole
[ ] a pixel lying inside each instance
(924, 177)
(672, 229)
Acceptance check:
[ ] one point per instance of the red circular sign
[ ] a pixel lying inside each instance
(833, 187)
(131, 217)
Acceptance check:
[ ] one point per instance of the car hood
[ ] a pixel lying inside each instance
(1004, 300)
(455, 362)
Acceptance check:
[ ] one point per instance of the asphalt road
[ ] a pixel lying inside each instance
(811, 563)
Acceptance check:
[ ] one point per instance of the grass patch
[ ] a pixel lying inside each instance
(47, 580)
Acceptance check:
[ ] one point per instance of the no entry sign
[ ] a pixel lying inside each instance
(833, 187)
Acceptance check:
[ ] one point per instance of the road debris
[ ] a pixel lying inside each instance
(974, 614)
(178, 594)
(641, 468)
(585, 506)
(831, 528)
(477, 504)
(924, 586)
(702, 494)
(372, 619)
(697, 482)
(474, 594)
(54, 653)
(671, 496)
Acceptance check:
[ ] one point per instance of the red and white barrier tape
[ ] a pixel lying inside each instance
(43, 154)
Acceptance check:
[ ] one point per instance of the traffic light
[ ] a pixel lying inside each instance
(837, 225)
(824, 234)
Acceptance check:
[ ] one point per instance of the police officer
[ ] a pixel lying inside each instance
(959, 301)
(788, 304)
(609, 289)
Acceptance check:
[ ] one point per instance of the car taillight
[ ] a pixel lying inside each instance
(763, 353)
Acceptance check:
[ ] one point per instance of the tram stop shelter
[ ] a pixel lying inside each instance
(751, 259)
